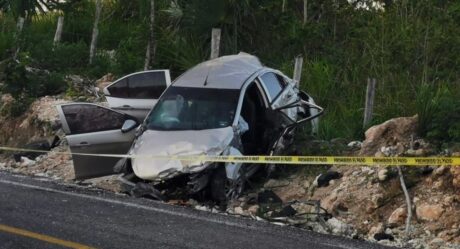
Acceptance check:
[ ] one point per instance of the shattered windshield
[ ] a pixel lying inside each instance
(188, 108)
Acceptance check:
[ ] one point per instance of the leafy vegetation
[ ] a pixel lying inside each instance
(411, 47)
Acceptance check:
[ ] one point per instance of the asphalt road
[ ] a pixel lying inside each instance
(36, 213)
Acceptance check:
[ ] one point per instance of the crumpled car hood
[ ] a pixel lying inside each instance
(163, 143)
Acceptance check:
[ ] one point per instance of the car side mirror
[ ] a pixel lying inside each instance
(128, 125)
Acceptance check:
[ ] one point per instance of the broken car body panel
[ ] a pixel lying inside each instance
(175, 143)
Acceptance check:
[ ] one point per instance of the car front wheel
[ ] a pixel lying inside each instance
(224, 189)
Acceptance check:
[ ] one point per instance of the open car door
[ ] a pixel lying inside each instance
(95, 129)
(291, 106)
(135, 94)
(295, 105)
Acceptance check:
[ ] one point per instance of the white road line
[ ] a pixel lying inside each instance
(128, 204)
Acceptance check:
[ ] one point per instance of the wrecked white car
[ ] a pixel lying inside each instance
(231, 105)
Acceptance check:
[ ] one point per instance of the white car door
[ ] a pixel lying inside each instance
(136, 94)
(94, 129)
(280, 93)
(288, 99)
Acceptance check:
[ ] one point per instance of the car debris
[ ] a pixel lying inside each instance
(231, 105)
(43, 145)
(323, 179)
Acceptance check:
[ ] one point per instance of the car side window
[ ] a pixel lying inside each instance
(272, 84)
(91, 118)
(148, 85)
(119, 89)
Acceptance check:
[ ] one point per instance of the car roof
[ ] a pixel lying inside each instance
(226, 72)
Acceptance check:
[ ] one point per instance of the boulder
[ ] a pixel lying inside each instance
(389, 133)
(429, 212)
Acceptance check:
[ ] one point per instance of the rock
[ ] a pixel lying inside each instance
(306, 184)
(330, 202)
(429, 212)
(438, 184)
(377, 200)
(339, 228)
(455, 171)
(376, 229)
(272, 183)
(6, 99)
(437, 241)
(238, 210)
(439, 171)
(202, 208)
(323, 179)
(398, 217)
(26, 162)
(419, 152)
(355, 144)
(383, 236)
(253, 209)
(388, 133)
(192, 202)
(382, 174)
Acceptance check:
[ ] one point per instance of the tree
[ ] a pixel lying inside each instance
(151, 47)
(92, 49)
(28, 8)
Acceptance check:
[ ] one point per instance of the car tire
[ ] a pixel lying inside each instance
(222, 189)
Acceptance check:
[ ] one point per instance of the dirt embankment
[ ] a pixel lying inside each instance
(369, 201)
(38, 122)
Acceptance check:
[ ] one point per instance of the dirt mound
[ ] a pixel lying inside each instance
(37, 122)
(389, 134)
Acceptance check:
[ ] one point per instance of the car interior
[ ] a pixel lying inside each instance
(254, 113)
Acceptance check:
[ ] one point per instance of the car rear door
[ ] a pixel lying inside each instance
(95, 129)
(137, 93)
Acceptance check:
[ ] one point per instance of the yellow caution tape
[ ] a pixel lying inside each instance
(299, 160)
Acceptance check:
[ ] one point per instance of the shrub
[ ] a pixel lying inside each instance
(24, 82)
(439, 113)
